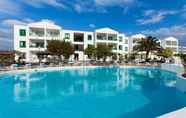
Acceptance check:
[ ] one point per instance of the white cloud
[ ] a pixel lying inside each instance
(184, 8)
(9, 7)
(10, 22)
(92, 25)
(81, 6)
(42, 3)
(98, 6)
(111, 3)
(152, 16)
(78, 8)
(178, 31)
(6, 31)
(6, 39)
(183, 12)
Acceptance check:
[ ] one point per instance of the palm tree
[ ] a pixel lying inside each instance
(148, 44)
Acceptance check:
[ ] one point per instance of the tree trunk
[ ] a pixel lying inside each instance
(104, 59)
(60, 59)
(147, 55)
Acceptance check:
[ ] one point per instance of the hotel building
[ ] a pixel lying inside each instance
(172, 43)
(182, 49)
(33, 37)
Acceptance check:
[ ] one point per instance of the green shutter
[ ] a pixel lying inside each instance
(22, 44)
(22, 32)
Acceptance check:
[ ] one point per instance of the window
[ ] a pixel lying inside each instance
(78, 37)
(126, 49)
(120, 47)
(22, 32)
(120, 39)
(112, 38)
(22, 44)
(89, 37)
(168, 43)
(126, 41)
(101, 36)
(67, 36)
(174, 43)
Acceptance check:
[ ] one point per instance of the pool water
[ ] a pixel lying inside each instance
(90, 93)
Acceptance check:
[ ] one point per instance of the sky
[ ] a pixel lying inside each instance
(159, 18)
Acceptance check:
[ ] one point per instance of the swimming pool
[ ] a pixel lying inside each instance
(101, 92)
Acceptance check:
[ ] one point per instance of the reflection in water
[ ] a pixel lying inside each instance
(100, 82)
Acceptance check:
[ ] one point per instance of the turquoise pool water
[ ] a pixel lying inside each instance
(90, 93)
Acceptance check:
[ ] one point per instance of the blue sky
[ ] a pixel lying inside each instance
(160, 18)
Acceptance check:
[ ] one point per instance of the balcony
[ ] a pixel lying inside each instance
(52, 33)
(101, 36)
(37, 44)
(171, 43)
(112, 37)
(36, 32)
(108, 37)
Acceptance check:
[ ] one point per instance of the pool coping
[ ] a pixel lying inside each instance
(175, 114)
(44, 69)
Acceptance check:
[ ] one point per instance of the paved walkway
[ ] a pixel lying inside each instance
(181, 113)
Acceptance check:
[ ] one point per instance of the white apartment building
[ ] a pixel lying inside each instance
(172, 43)
(33, 37)
(182, 49)
(134, 39)
(169, 42)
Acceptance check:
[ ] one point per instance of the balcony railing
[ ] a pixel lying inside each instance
(53, 33)
(112, 39)
(41, 45)
(36, 34)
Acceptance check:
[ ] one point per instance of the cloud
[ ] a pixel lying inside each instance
(156, 16)
(178, 31)
(183, 11)
(153, 16)
(98, 6)
(78, 8)
(42, 3)
(184, 7)
(9, 7)
(81, 6)
(6, 39)
(111, 3)
(10, 22)
(6, 31)
(92, 25)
